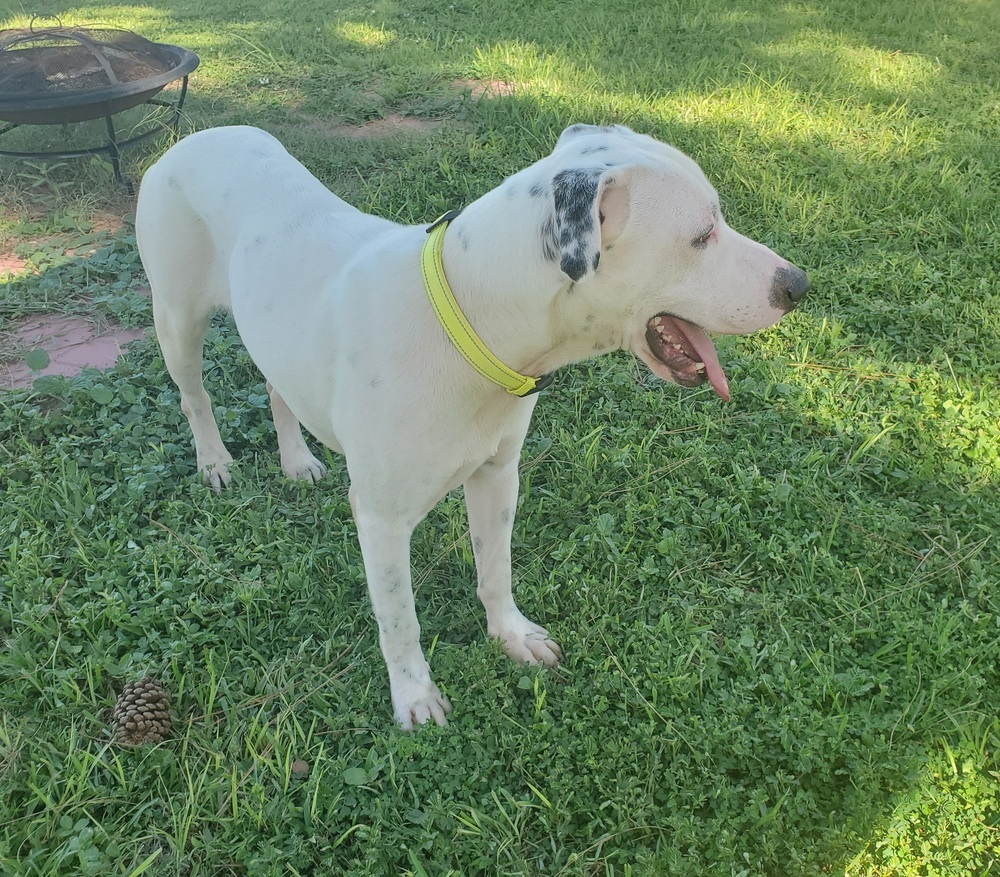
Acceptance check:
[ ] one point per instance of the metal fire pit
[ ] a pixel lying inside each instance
(55, 76)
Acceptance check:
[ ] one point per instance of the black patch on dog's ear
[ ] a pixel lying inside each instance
(574, 193)
(550, 245)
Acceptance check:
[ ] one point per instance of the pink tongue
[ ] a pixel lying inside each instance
(705, 349)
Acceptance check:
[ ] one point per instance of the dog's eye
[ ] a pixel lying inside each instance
(702, 240)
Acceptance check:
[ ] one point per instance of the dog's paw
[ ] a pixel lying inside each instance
(302, 467)
(527, 643)
(418, 704)
(216, 475)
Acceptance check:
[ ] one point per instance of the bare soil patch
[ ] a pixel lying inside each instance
(488, 88)
(10, 265)
(73, 343)
(389, 126)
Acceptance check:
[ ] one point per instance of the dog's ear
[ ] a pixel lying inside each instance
(591, 207)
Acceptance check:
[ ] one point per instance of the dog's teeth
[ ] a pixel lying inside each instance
(699, 366)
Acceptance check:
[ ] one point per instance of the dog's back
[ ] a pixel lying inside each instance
(198, 201)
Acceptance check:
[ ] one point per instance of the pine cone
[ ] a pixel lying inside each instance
(142, 714)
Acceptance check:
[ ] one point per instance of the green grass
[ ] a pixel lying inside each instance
(780, 616)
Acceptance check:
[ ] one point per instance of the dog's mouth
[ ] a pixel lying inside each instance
(686, 352)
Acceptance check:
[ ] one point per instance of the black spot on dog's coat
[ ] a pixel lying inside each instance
(574, 265)
(574, 191)
(550, 246)
(580, 127)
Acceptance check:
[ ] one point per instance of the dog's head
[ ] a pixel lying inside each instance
(637, 223)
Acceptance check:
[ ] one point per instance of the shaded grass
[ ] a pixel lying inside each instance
(780, 615)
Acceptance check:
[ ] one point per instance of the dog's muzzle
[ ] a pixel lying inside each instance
(788, 288)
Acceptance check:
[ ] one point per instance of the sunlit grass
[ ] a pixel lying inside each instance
(365, 35)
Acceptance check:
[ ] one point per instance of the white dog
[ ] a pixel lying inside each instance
(614, 241)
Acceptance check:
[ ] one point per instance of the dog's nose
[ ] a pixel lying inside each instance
(789, 287)
(798, 284)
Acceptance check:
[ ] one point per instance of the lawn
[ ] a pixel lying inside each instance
(780, 615)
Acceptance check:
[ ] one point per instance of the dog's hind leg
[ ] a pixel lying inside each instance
(181, 334)
(188, 286)
(491, 499)
(297, 461)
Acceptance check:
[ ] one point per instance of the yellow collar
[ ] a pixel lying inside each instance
(457, 327)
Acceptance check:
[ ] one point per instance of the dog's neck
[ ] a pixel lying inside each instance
(529, 313)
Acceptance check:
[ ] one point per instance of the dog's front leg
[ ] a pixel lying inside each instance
(491, 500)
(385, 547)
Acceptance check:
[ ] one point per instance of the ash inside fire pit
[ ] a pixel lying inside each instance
(73, 74)
(72, 67)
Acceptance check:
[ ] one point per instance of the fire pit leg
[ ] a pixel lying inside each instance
(116, 157)
(113, 149)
